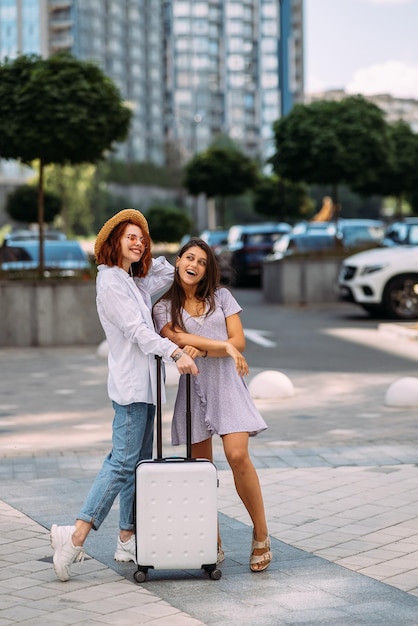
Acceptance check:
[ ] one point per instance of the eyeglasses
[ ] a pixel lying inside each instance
(137, 239)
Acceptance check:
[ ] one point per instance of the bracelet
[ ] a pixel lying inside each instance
(177, 356)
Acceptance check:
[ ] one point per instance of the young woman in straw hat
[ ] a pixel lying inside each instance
(127, 278)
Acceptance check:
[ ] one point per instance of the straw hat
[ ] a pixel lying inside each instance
(127, 215)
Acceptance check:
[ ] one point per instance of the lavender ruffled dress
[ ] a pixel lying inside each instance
(220, 400)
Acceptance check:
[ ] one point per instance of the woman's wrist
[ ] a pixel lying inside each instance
(177, 354)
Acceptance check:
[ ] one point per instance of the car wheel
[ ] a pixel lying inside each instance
(400, 297)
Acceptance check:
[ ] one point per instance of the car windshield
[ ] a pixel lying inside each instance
(354, 234)
(260, 238)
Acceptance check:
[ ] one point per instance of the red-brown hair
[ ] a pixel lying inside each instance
(110, 252)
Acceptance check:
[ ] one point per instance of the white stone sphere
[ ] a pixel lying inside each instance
(271, 384)
(103, 350)
(402, 392)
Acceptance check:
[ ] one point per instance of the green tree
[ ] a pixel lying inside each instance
(280, 199)
(22, 205)
(58, 110)
(401, 179)
(168, 224)
(220, 172)
(333, 143)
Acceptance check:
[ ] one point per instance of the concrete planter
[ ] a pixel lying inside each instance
(49, 313)
(301, 280)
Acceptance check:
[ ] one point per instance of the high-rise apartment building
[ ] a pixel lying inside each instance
(125, 38)
(225, 74)
(190, 69)
(291, 65)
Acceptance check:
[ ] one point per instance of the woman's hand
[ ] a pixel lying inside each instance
(193, 352)
(186, 365)
(239, 359)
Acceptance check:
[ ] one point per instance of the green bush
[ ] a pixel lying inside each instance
(168, 224)
(22, 205)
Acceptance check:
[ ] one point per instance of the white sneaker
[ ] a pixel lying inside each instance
(126, 550)
(65, 552)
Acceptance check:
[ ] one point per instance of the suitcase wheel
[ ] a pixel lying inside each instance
(213, 571)
(140, 576)
(215, 574)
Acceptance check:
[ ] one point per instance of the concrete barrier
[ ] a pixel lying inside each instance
(48, 313)
(301, 280)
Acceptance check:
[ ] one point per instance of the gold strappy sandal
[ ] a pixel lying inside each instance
(221, 556)
(260, 562)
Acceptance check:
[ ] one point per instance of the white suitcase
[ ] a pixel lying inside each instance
(176, 508)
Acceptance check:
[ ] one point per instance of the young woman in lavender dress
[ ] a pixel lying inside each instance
(203, 319)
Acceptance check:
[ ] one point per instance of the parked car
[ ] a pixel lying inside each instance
(65, 258)
(302, 243)
(215, 238)
(241, 259)
(382, 280)
(402, 232)
(352, 232)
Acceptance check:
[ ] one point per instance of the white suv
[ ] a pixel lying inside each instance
(382, 280)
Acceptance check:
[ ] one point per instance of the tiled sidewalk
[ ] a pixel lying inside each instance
(340, 497)
(30, 593)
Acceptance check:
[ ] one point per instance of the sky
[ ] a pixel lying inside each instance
(363, 46)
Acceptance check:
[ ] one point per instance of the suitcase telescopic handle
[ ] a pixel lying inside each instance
(159, 414)
(159, 418)
(188, 419)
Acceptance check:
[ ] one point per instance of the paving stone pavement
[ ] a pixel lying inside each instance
(339, 474)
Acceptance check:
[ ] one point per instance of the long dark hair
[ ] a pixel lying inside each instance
(205, 291)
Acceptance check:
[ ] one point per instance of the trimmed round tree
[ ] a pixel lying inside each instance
(333, 143)
(58, 110)
(220, 171)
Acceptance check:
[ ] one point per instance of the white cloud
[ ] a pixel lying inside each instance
(393, 77)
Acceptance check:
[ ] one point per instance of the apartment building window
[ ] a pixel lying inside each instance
(214, 14)
(182, 26)
(269, 45)
(268, 80)
(268, 28)
(270, 63)
(182, 43)
(201, 9)
(213, 47)
(236, 63)
(234, 10)
(181, 9)
(200, 27)
(236, 44)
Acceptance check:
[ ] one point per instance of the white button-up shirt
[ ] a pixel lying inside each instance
(124, 307)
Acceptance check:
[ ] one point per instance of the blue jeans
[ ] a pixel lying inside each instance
(132, 441)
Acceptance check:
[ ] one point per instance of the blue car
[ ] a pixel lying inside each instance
(241, 259)
(62, 258)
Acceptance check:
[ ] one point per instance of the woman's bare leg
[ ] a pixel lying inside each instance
(247, 483)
